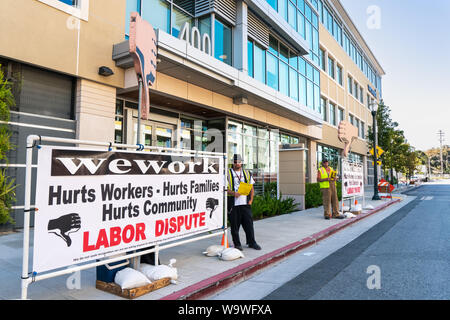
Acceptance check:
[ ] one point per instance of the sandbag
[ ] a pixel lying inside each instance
(213, 250)
(129, 278)
(349, 215)
(154, 273)
(231, 254)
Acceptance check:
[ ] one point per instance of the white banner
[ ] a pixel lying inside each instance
(352, 179)
(94, 204)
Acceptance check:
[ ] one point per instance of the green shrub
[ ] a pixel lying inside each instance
(7, 188)
(268, 205)
(313, 195)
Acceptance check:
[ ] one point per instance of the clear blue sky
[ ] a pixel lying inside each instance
(413, 47)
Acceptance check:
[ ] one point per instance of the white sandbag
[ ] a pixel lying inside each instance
(345, 208)
(231, 254)
(369, 207)
(213, 250)
(154, 273)
(129, 278)
(356, 208)
(349, 215)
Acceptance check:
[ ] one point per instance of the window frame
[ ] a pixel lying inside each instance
(80, 11)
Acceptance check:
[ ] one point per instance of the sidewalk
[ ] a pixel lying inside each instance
(198, 275)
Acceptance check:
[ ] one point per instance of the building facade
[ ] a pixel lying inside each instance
(233, 76)
(350, 78)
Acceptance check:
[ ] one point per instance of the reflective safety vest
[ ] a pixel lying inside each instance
(231, 179)
(324, 175)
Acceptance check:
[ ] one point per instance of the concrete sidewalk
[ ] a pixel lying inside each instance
(198, 276)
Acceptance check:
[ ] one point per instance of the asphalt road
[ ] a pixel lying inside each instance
(405, 256)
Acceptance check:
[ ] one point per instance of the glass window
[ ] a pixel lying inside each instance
(323, 109)
(234, 139)
(308, 34)
(322, 59)
(179, 18)
(350, 85)
(310, 94)
(132, 6)
(118, 123)
(332, 114)
(272, 71)
(301, 5)
(273, 3)
(316, 98)
(222, 42)
(355, 92)
(250, 57)
(293, 84)
(302, 92)
(157, 13)
(331, 68)
(363, 130)
(293, 60)
(339, 74)
(292, 15)
(284, 53)
(309, 71)
(263, 154)
(341, 115)
(282, 8)
(308, 12)
(316, 76)
(204, 26)
(302, 66)
(351, 119)
(273, 45)
(250, 148)
(315, 21)
(315, 41)
(284, 79)
(301, 24)
(259, 70)
(361, 95)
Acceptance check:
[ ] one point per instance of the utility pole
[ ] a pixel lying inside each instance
(441, 139)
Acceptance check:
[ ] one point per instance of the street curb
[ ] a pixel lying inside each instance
(237, 274)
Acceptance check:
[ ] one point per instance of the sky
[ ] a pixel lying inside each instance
(412, 44)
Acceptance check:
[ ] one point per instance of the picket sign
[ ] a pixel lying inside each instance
(56, 172)
(355, 177)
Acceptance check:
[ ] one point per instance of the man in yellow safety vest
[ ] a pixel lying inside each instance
(327, 183)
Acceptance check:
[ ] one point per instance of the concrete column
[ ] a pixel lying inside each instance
(95, 111)
(312, 149)
(240, 36)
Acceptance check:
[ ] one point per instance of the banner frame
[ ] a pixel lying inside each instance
(35, 141)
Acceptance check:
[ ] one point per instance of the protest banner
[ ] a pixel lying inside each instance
(95, 203)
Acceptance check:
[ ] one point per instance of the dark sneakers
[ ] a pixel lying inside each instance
(239, 248)
(339, 217)
(327, 217)
(255, 246)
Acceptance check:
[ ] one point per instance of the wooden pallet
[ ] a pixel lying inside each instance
(113, 288)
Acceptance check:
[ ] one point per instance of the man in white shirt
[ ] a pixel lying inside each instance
(239, 206)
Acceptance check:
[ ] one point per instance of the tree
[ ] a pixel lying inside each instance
(390, 140)
(7, 188)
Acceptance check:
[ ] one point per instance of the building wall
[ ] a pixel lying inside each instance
(94, 111)
(44, 36)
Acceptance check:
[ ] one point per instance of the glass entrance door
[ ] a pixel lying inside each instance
(154, 134)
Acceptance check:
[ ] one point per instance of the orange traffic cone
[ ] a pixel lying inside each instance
(223, 241)
(356, 202)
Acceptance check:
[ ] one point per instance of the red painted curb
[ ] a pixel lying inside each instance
(227, 278)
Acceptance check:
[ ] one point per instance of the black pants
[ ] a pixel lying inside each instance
(242, 215)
